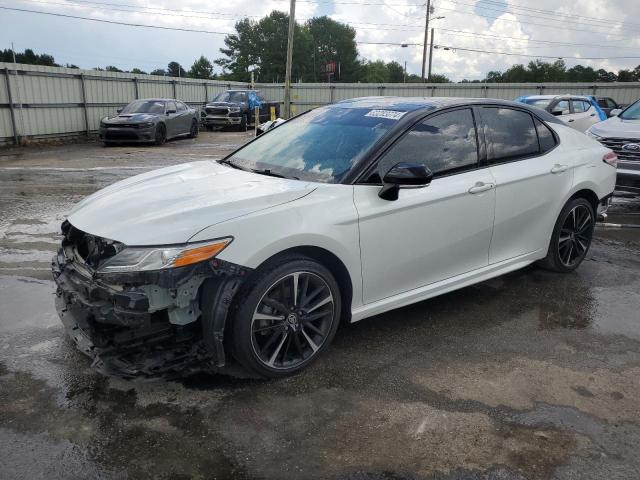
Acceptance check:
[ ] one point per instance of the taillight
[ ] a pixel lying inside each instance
(611, 158)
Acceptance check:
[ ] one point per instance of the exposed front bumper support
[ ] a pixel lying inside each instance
(125, 323)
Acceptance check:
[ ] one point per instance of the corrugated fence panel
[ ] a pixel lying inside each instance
(163, 89)
(49, 101)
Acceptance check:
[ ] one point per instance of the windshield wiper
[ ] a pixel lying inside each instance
(271, 173)
(234, 165)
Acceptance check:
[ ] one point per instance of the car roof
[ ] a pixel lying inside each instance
(155, 100)
(426, 104)
(564, 95)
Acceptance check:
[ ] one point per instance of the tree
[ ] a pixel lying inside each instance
(395, 72)
(439, 78)
(375, 72)
(579, 73)
(333, 41)
(111, 68)
(174, 69)
(493, 77)
(137, 71)
(158, 71)
(201, 68)
(29, 57)
(604, 76)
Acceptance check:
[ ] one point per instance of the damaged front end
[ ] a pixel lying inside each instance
(154, 322)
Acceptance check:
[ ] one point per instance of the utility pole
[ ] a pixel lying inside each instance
(426, 32)
(430, 56)
(287, 78)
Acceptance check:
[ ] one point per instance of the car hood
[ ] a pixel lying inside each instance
(132, 118)
(617, 127)
(224, 104)
(170, 205)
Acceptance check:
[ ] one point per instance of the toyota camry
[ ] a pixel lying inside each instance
(344, 212)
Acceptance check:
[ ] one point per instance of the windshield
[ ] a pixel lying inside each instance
(538, 102)
(231, 97)
(322, 145)
(632, 112)
(144, 106)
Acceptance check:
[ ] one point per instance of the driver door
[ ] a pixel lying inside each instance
(429, 233)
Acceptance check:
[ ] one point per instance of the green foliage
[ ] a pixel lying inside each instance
(333, 41)
(111, 68)
(539, 71)
(174, 69)
(29, 57)
(158, 71)
(201, 68)
(137, 71)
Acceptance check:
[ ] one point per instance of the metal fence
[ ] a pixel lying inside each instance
(40, 102)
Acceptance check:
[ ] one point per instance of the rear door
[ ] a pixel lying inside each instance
(172, 119)
(532, 177)
(430, 233)
(583, 114)
(184, 118)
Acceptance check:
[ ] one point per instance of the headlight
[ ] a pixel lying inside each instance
(146, 125)
(593, 135)
(138, 259)
(234, 109)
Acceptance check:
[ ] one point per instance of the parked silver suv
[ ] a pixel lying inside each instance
(621, 133)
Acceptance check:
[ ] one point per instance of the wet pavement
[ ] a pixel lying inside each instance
(532, 375)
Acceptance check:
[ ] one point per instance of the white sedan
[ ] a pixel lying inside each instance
(341, 213)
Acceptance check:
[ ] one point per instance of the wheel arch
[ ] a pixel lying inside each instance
(589, 195)
(329, 260)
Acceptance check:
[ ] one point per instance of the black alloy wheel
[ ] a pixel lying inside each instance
(286, 317)
(575, 236)
(571, 237)
(161, 134)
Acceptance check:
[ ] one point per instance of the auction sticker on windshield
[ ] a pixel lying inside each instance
(390, 114)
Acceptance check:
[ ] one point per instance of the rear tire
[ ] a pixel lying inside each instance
(287, 315)
(571, 237)
(161, 134)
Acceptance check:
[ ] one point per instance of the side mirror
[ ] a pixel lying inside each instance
(404, 174)
(169, 112)
(615, 112)
(119, 110)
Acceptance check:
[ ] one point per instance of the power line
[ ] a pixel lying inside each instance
(548, 17)
(557, 57)
(519, 6)
(114, 22)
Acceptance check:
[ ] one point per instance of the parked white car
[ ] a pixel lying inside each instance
(344, 212)
(577, 111)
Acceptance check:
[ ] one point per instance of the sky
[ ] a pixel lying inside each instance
(552, 28)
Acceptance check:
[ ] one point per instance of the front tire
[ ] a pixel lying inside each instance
(161, 134)
(571, 237)
(193, 133)
(243, 124)
(288, 315)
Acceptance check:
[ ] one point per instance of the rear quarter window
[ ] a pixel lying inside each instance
(545, 137)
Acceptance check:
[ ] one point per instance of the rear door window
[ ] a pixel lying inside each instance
(511, 134)
(172, 106)
(561, 108)
(181, 106)
(444, 143)
(580, 106)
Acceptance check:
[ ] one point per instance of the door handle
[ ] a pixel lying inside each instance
(480, 187)
(571, 120)
(559, 168)
(592, 115)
